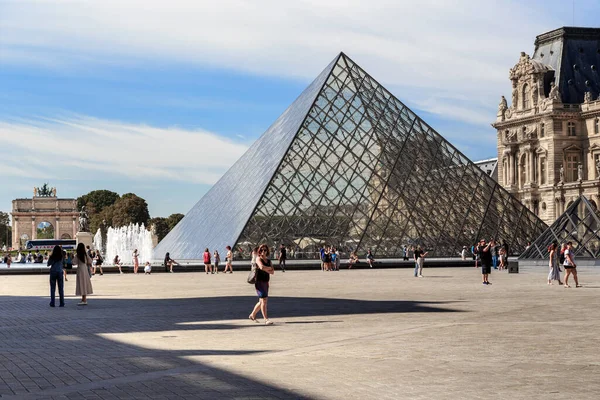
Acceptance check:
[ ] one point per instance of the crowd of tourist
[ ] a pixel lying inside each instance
(486, 254)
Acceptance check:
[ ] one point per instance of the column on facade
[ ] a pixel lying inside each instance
(510, 168)
(532, 177)
(74, 229)
(33, 229)
(56, 227)
(16, 238)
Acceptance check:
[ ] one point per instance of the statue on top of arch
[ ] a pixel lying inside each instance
(44, 191)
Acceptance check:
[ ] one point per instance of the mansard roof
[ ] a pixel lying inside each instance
(574, 53)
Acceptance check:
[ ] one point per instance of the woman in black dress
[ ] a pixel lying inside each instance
(263, 271)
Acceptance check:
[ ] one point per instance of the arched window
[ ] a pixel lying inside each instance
(571, 128)
(525, 96)
(65, 236)
(597, 126)
(542, 130)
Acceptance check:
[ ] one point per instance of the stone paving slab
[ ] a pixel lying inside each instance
(359, 334)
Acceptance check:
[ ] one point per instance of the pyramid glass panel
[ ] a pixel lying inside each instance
(354, 168)
(579, 224)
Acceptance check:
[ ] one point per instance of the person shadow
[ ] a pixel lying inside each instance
(73, 351)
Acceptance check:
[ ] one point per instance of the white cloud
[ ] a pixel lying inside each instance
(83, 148)
(424, 48)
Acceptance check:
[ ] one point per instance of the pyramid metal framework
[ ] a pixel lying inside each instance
(349, 165)
(580, 224)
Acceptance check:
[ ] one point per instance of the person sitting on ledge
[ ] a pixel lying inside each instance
(352, 260)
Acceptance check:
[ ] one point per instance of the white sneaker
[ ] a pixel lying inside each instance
(420, 276)
(268, 322)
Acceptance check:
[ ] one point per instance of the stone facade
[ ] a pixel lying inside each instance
(549, 136)
(27, 214)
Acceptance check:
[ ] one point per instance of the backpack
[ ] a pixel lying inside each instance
(561, 257)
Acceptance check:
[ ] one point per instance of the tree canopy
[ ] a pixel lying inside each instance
(5, 230)
(173, 220)
(97, 200)
(130, 209)
(107, 209)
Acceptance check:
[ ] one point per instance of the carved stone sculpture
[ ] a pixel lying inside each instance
(54, 192)
(598, 169)
(502, 107)
(561, 173)
(84, 225)
(554, 92)
(34, 191)
(580, 172)
(587, 97)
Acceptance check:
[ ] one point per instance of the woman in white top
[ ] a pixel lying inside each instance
(228, 259)
(570, 266)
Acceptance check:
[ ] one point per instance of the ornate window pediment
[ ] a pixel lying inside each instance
(572, 149)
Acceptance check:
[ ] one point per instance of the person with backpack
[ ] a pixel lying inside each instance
(207, 263)
(561, 254)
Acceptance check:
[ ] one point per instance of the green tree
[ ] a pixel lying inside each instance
(5, 230)
(45, 231)
(160, 226)
(98, 200)
(129, 209)
(173, 220)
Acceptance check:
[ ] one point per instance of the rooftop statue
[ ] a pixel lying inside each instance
(44, 191)
(84, 225)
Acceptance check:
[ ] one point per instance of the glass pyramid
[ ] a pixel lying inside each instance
(579, 224)
(349, 165)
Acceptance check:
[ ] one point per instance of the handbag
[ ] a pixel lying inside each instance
(252, 275)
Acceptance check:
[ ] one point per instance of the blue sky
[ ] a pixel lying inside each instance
(160, 98)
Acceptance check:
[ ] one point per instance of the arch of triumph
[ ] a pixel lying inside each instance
(28, 213)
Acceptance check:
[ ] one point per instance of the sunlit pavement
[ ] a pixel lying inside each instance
(358, 334)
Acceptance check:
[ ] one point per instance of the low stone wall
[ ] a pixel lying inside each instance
(196, 266)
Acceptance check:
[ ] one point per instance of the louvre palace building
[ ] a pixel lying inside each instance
(549, 129)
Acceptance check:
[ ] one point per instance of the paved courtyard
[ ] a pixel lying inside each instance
(359, 334)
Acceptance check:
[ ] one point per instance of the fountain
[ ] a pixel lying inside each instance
(97, 242)
(123, 241)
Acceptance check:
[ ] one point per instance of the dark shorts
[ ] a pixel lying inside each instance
(568, 267)
(486, 269)
(262, 289)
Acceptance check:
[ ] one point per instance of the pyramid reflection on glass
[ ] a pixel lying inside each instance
(349, 165)
(580, 224)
